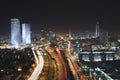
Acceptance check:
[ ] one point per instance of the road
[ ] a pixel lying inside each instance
(78, 75)
(53, 67)
(73, 70)
(63, 63)
(40, 64)
(61, 74)
(49, 71)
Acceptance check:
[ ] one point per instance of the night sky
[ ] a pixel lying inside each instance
(77, 15)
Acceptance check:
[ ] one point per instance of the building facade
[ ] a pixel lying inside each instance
(97, 56)
(26, 34)
(15, 33)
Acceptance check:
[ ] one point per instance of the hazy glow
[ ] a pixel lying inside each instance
(15, 32)
(26, 34)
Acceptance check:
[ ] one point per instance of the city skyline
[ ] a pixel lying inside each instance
(61, 15)
(20, 34)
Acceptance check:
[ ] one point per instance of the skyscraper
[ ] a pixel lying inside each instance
(26, 34)
(15, 33)
(97, 33)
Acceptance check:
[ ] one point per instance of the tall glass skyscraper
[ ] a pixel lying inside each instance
(26, 34)
(15, 32)
(97, 33)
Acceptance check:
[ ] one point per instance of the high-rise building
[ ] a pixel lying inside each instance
(97, 33)
(15, 33)
(69, 34)
(26, 34)
(87, 34)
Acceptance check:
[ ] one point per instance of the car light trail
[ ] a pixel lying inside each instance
(38, 69)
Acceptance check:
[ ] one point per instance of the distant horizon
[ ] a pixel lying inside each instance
(61, 15)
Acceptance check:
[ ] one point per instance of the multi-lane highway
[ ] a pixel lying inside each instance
(46, 66)
(51, 66)
(49, 71)
(78, 75)
(39, 67)
(73, 70)
(61, 74)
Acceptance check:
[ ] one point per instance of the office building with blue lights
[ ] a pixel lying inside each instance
(15, 33)
(26, 33)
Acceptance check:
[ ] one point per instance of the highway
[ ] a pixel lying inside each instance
(63, 63)
(49, 71)
(51, 66)
(73, 70)
(39, 67)
(76, 71)
(61, 74)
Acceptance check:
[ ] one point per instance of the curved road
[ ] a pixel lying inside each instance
(39, 67)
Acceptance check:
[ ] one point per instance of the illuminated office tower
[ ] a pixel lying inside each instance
(15, 33)
(26, 34)
(69, 33)
(97, 33)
